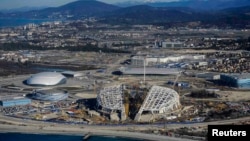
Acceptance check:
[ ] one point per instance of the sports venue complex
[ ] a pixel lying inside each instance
(46, 79)
(155, 101)
(49, 95)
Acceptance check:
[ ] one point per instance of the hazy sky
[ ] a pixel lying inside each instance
(10, 4)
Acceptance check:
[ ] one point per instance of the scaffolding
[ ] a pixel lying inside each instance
(111, 99)
(159, 100)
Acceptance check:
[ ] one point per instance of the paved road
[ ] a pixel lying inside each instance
(29, 126)
(18, 121)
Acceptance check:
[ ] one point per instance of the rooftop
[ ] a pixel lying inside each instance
(157, 71)
(73, 73)
(49, 91)
(239, 75)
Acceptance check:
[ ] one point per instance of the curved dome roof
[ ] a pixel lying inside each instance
(50, 95)
(161, 100)
(46, 79)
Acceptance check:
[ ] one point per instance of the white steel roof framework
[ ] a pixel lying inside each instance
(111, 98)
(160, 100)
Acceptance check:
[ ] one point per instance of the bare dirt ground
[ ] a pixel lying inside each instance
(235, 95)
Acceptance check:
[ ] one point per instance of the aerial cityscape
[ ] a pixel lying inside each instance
(142, 70)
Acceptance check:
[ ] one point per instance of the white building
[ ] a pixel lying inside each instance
(172, 45)
(46, 79)
(152, 60)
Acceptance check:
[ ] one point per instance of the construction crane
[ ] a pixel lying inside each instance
(176, 78)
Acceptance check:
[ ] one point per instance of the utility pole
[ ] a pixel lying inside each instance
(144, 69)
(94, 86)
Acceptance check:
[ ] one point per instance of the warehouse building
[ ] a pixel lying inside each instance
(238, 80)
(150, 71)
(172, 45)
(14, 101)
(208, 76)
(151, 60)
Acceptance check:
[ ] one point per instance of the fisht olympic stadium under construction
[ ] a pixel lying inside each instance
(158, 100)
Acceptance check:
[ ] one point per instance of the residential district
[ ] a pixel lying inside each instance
(142, 78)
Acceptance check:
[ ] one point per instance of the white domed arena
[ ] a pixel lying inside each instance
(50, 95)
(46, 79)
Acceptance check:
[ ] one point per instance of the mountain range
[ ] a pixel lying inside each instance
(77, 9)
(22, 9)
(194, 4)
(145, 14)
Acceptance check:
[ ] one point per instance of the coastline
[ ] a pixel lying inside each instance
(15, 22)
(15, 125)
(82, 136)
(83, 131)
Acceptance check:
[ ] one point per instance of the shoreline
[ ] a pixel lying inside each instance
(108, 136)
(15, 125)
(10, 124)
(74, 131)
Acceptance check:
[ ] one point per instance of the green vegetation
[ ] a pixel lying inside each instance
(94, 48)
(19, 46)
(126, 44)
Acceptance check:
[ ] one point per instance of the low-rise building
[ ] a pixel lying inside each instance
(239, 80)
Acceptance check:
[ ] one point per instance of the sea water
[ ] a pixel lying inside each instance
(12, 22)
(53, 137)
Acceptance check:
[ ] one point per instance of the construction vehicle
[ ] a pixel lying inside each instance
(38, 117)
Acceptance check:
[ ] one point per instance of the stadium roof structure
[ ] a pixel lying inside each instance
(160, 100)
(111, 98)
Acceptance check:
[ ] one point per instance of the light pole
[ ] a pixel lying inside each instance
(144, 69)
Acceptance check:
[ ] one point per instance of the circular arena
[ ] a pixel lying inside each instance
(49, 95)
(46, 79)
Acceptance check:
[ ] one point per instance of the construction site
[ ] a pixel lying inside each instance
(141, 95)
(138, 102)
